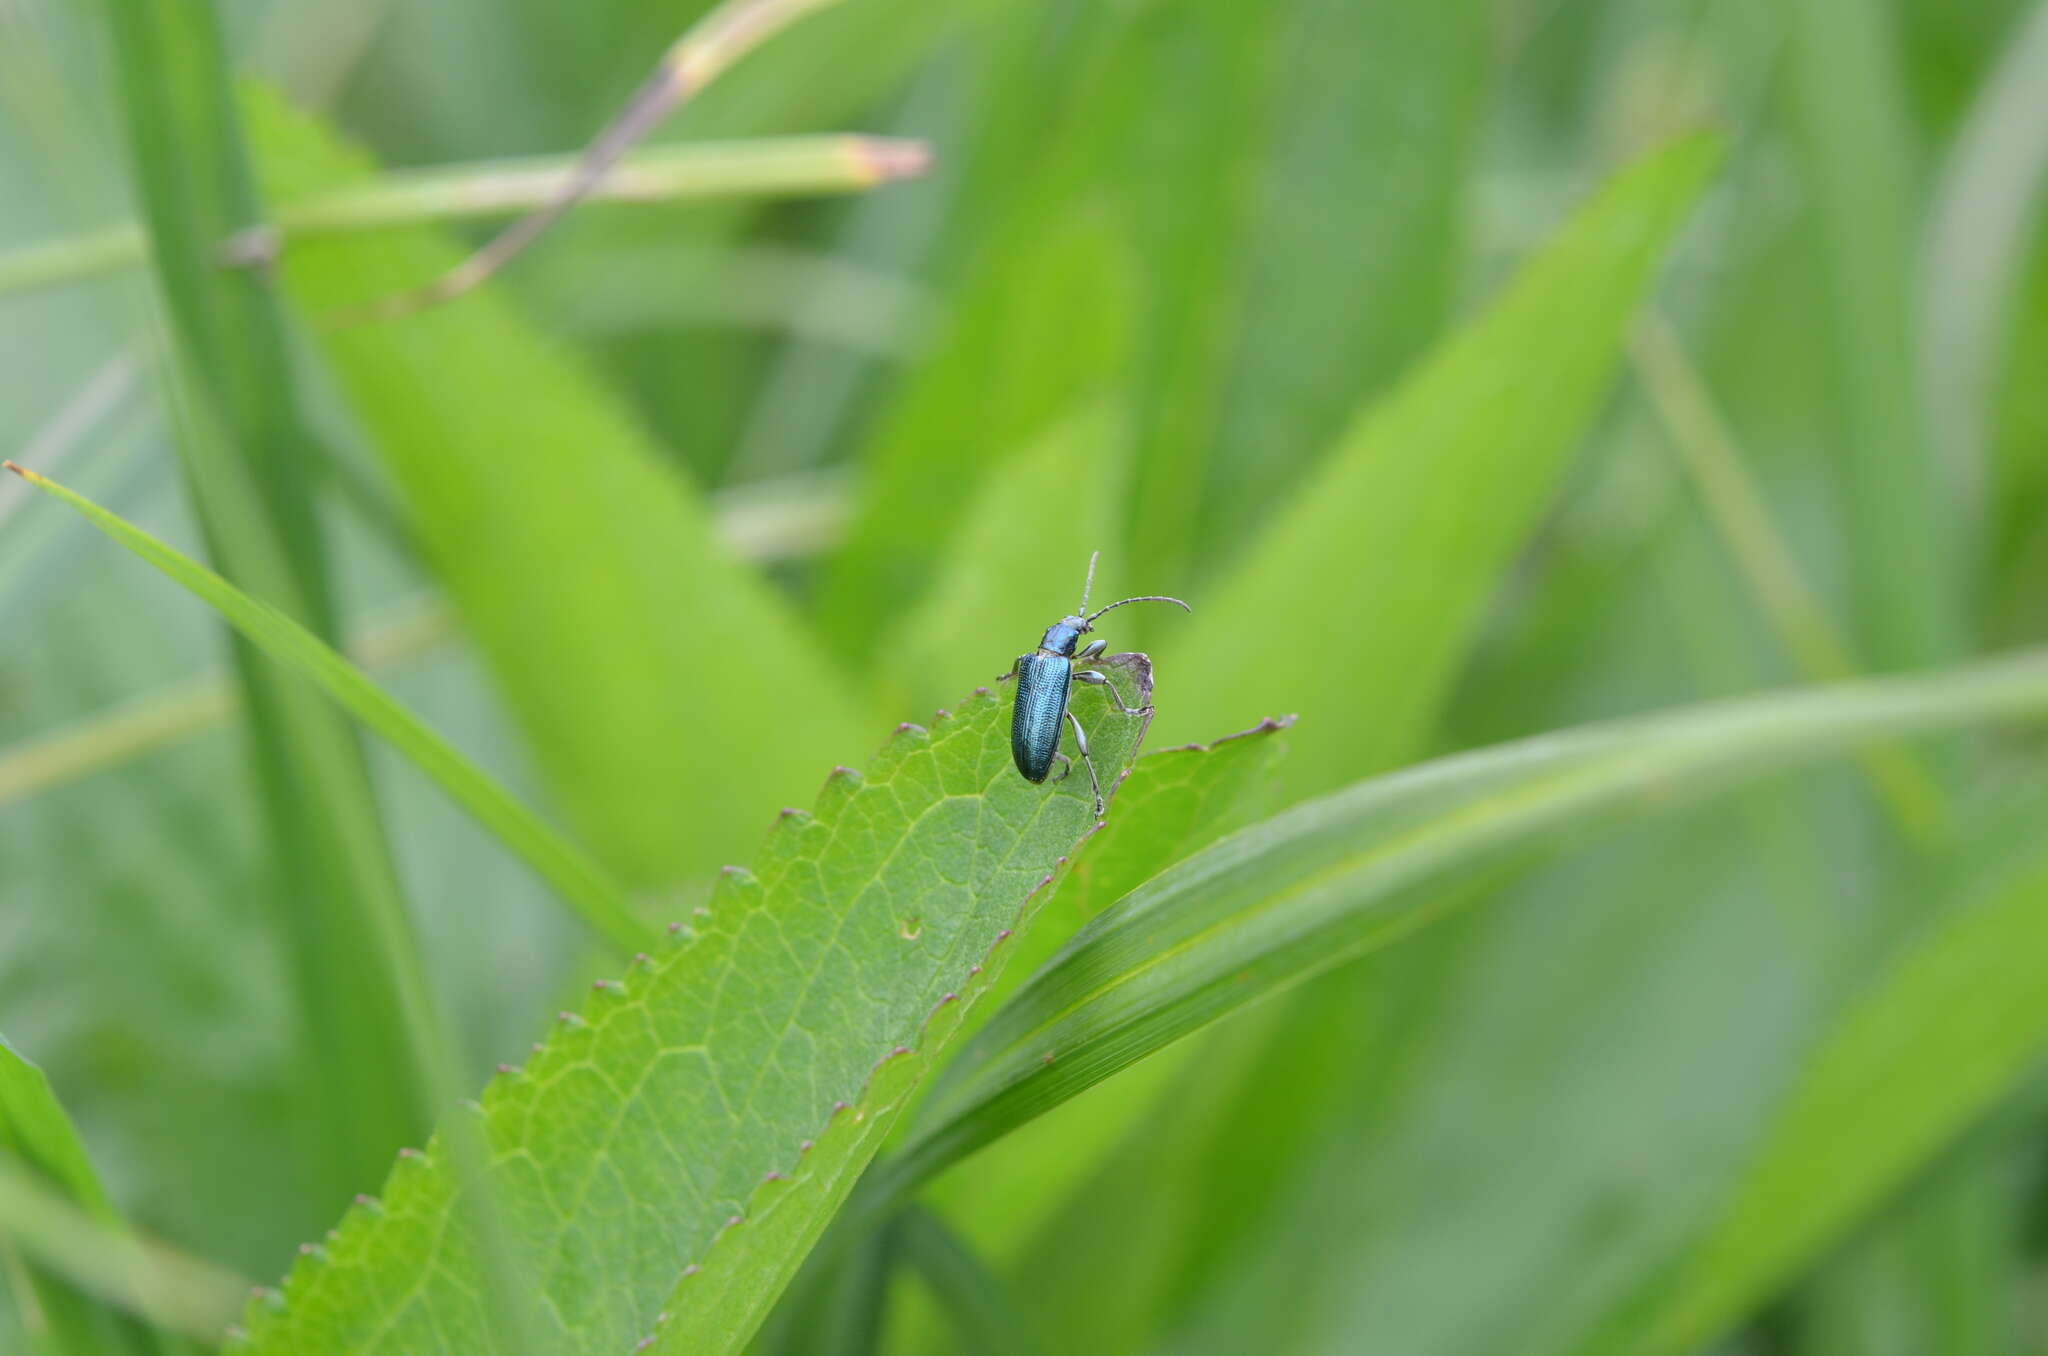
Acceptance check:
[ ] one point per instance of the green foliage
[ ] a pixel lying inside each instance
(676, 1147)
(1317, 885)
(613, 620)
(35, 1132)
(1392, 518)
(246, 448)
(1475, 371)
(1925, 1048)
(582, 885)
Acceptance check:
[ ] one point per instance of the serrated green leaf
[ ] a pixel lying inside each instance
(1176, 802)
(678, 1147)
(582, 885)
(1335, 877)
(1421, 507)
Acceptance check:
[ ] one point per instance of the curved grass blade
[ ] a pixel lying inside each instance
(43, 1167)
(666, 1160)
(581, 883)
(1337, 876)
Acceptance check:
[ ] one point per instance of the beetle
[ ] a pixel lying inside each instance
(1045, 680)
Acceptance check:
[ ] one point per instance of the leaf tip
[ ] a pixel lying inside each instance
(887, 159)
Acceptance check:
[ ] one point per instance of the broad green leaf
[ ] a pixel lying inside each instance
(676, 1148)
(1341, 875)
(638, 656)
(1418, 511)
(1919, 1054)
(582, 885)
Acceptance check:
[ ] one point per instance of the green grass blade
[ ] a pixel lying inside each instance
(1848, 135)
(40, 1149)
(1426, 501)
(770, 167)
(1176, 802)
(1340, 875)
(369, 1027)
(185, 1301)
(596, 899)
(677, 1147)
(638, 657)
(985, 1316)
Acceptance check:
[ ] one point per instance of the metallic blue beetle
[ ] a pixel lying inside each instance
(1046, 677)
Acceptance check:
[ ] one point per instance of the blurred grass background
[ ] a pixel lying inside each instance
(690, 468)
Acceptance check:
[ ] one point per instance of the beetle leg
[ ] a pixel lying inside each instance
(1091, 651)
(1081, 742)
(1096, 678)
(1066, 766)
(1006, 677)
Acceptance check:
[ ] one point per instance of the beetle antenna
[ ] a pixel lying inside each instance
(1090, 585)
(1141, 598)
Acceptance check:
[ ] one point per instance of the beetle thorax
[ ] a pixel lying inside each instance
(1064, 635)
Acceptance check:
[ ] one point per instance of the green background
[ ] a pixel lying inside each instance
(1182, 287)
